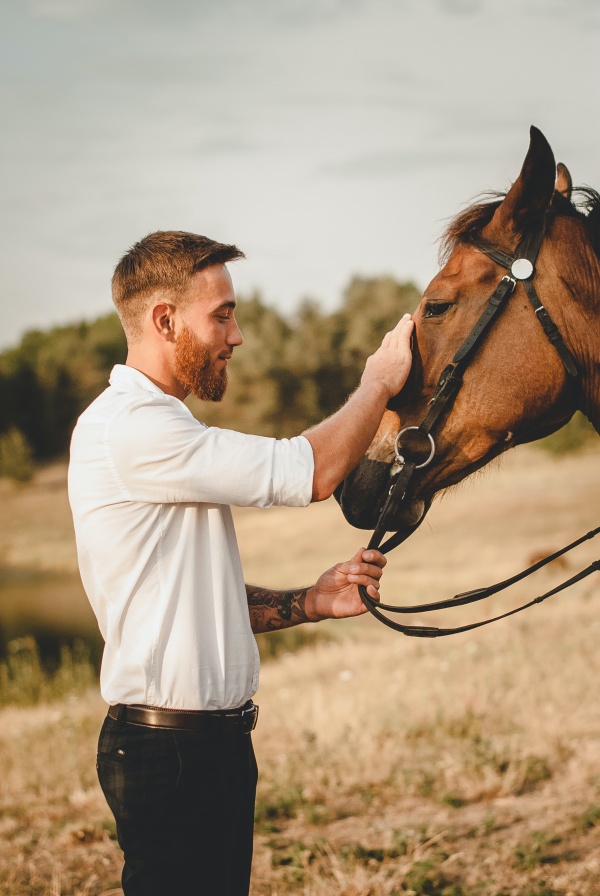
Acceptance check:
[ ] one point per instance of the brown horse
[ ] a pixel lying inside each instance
(515, 388)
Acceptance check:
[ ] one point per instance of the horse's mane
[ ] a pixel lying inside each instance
(468, 225)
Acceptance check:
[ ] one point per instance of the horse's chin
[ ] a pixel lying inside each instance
(406, 518)
(409, 516)
(361, 506)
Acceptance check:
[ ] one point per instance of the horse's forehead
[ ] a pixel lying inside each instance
(465, 261)
(465, 266)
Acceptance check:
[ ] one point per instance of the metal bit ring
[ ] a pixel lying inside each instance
(400, 459)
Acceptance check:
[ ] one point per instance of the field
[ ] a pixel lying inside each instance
(467, 766)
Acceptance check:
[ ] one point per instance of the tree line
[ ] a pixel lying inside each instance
(289, 374)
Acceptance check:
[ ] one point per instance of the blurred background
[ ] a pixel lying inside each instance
(330, 139)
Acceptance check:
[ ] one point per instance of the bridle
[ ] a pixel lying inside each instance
(521, 268)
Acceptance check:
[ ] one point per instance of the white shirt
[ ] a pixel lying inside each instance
(149, 488)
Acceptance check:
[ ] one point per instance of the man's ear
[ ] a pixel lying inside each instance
(162, 319)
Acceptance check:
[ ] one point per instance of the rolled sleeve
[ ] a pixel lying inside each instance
(161, 454)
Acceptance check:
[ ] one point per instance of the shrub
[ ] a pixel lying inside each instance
(25, 680)
(577, 433)
(16, 456)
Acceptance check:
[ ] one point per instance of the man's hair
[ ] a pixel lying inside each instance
(164, 261)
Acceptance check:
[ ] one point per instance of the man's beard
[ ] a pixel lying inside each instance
(195, 369)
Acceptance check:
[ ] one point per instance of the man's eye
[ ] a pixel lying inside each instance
(436, 309)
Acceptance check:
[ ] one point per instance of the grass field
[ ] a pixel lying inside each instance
(467, 766)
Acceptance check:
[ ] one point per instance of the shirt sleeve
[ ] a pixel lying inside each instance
(160, 453)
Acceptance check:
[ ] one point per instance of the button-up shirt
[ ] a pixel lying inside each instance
(150, 489)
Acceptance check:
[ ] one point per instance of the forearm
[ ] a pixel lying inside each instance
(341, 440)
(334, 596)
(272, 610)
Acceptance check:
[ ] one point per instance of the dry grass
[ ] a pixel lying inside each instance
(480, 754)
(36, 531)
(467, 766)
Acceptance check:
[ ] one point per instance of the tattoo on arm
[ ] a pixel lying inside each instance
(272, 610)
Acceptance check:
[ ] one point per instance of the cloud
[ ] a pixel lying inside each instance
(225, 145)
(394, 162)
(460, 7)
(66, 10)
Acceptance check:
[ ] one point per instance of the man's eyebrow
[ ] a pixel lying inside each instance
(230, 304)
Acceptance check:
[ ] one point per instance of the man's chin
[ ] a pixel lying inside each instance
(199, 373)
(211, 389)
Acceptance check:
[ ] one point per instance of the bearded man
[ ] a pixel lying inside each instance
(150, 489)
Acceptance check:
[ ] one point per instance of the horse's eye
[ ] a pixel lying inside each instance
(436, 309)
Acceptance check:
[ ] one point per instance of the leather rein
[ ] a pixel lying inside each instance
(521, 268)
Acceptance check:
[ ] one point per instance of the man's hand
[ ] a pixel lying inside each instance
(335, 595)
(339, 442)
(390, 364)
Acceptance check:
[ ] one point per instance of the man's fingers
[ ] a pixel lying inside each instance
(369, 556)
(400, 334)
(360, 572)
(373, 592)
(402, 330)
(367, 574)
(375, 557)
(364, 570)
(367, 581)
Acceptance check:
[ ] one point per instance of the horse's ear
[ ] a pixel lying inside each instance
(528, 198)
(564, 181)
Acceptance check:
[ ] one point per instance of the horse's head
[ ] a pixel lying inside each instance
(515, 387)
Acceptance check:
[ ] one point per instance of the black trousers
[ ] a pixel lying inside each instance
(184, 807)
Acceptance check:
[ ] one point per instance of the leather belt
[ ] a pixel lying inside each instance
(222, 721)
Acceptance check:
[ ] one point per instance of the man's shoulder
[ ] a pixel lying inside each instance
(114, 402)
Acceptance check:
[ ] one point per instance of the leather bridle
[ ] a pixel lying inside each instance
(521, 268)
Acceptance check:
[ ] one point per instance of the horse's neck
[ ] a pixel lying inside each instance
(591, 389)
(588, 355)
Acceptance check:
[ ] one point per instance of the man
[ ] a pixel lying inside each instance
(150, 489)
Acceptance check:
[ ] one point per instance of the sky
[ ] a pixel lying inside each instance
(326, 138)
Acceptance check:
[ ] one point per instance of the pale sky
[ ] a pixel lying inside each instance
(326, 138)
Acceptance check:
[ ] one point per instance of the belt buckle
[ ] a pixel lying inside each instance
(250, 718)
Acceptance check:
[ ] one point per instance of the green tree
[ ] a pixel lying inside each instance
(290, 373)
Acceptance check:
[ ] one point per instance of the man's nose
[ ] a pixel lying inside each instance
(234, 336)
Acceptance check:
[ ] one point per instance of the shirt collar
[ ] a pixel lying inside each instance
(129, 379)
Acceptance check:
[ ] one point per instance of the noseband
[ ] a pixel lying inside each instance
(521, 268)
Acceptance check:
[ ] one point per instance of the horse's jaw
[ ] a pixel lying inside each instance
(363, 493)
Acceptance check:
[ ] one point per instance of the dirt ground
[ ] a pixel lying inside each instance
(467, 766)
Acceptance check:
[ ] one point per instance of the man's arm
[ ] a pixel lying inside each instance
(339, 442)
(271, 610)
(334, 596)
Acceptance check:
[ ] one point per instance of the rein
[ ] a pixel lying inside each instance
(521, 268)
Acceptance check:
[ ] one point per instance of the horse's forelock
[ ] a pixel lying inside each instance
(468, 225)
(586, 199)
(589, 201)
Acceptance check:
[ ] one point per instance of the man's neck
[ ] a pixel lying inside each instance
(158, 373)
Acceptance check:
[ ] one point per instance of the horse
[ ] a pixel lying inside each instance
(483, 381)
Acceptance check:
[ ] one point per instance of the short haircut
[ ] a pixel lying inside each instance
(164, 261)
